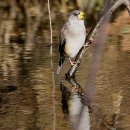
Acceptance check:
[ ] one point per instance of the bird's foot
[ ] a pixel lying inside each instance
(86, 45)
(91, 39)
(74, 90)
(72, 62)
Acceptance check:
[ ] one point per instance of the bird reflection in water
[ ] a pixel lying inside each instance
(72, 105)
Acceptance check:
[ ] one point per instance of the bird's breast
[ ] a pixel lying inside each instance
(74, 44)
(74, 35)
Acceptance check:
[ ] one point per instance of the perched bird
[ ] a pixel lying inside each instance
(73, 35)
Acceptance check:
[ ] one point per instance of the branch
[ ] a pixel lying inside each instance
(92, 33)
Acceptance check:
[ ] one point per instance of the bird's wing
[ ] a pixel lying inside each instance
(61, 50)
(62, 41)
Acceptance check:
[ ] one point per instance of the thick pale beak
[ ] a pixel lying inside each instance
(81, 15)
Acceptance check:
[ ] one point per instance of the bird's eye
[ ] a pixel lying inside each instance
(75, 14)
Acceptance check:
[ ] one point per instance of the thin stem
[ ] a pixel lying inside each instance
(52, 68)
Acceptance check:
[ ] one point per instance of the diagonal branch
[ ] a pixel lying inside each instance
(89, 89)
(92, 33)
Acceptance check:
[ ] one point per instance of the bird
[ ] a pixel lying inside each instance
(73, 34)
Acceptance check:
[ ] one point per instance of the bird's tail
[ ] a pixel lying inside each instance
(61, 61)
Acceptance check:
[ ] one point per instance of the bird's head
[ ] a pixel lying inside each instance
(77, 15)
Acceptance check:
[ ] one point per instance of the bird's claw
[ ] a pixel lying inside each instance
(86, 45)
(73, 62)
(91, 39)
(74, 90)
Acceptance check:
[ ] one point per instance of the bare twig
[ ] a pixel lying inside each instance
(92, 33)
(52, 69)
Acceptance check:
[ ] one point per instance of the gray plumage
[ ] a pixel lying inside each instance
(73, 35)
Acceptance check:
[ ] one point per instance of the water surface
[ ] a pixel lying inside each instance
(26, 90)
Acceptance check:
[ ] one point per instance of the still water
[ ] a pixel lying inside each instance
(26, 90)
